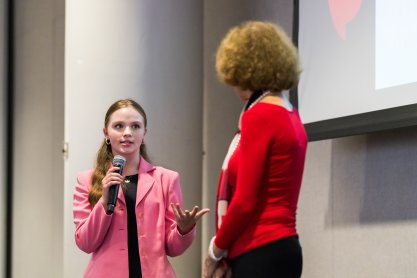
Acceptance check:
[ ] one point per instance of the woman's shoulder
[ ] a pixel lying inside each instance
(84, 177)
(258, 114)
(165, 171)
(267, 111)
(88, 172)
(146, 166)
(157, 171)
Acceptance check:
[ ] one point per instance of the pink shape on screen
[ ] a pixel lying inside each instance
(343, 12)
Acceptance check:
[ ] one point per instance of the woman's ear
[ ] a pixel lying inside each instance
(105, 132)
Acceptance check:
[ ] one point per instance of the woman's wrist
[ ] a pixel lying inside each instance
(102, 202)
(184, 231)
(216, 253)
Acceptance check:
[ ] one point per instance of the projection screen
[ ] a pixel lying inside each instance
(359, 62)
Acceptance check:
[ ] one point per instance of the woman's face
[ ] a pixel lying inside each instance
(243, 94)
(126, 131)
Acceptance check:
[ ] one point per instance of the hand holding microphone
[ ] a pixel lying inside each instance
(111, 183)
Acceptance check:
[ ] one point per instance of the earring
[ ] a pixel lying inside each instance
(107, 140)
(143, 142)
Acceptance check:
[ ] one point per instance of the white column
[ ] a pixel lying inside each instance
(148, 50)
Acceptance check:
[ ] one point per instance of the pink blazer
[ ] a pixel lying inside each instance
(105, 236)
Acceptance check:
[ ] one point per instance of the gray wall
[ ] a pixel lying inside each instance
(39, 133)
(358, 209)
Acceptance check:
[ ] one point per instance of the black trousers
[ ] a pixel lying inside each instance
(281, 259)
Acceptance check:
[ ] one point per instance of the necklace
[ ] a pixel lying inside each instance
(264, 94)
(258, 99)
(131, 178)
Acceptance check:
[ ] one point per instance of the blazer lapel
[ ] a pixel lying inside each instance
(145, 183)
(145, 179)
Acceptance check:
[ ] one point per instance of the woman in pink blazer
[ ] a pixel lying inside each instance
(148, 223)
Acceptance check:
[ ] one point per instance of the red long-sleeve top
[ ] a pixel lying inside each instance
(265, 172)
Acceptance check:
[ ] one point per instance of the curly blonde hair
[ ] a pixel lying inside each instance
(258, 56)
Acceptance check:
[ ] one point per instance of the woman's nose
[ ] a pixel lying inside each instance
(127, 131)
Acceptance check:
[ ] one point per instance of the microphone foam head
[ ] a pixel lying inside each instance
(119, 160)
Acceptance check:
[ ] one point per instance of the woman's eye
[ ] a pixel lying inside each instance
(118, 126)
(136, 126)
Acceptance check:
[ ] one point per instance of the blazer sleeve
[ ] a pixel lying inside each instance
(175, 243)
(91, 224)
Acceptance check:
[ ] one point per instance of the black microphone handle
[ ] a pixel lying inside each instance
(111, 204)
(118, 161)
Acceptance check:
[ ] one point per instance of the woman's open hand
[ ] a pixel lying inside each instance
(187, 219)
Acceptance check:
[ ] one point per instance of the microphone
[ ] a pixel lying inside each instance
(118, 161)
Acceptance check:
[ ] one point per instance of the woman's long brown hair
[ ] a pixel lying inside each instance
(105, 156)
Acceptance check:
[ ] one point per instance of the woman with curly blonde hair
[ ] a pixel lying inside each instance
(261, 175)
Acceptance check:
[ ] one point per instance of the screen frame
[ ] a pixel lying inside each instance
(363, 123)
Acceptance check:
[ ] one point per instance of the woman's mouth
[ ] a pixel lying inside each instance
(126, 143)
